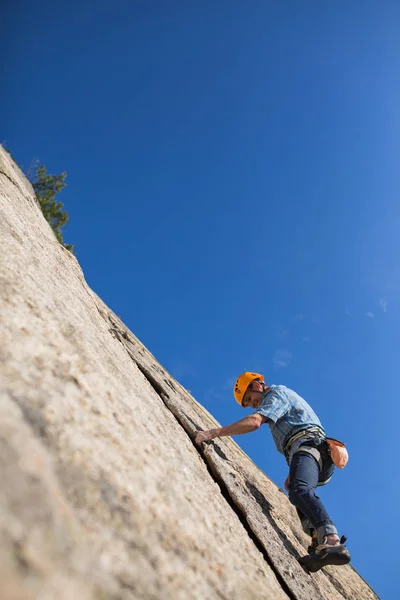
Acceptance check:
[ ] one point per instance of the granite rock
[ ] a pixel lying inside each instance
(104, 494)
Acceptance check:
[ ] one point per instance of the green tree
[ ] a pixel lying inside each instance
(46, 189)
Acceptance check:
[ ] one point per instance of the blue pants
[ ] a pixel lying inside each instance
(305, 473)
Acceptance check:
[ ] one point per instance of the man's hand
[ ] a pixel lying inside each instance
(204, 436)
(245, 425)
(287, 483)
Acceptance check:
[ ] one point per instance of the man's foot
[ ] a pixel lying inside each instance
(331, 552)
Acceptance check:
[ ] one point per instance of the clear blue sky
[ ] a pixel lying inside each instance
(233, 192)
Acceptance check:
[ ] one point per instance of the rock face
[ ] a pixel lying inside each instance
(103, 494)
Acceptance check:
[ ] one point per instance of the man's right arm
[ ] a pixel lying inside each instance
(246, 425)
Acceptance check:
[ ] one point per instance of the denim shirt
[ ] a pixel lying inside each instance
(287, 413)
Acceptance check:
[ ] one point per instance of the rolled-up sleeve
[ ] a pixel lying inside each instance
(273, 407)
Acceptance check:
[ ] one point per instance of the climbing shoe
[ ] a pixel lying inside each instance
(324, 554)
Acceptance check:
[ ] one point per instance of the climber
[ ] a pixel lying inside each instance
(300, 437)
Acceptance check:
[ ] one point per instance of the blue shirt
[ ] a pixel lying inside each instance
(286, 413)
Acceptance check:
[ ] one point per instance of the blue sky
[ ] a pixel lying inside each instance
(233, 182)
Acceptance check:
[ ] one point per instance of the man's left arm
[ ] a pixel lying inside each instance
(246, 425)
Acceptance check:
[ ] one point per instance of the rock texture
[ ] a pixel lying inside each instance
(103, 494)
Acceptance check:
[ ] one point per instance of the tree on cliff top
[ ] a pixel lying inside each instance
(46, 189)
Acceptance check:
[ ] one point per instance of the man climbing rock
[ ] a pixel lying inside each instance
(300, 437)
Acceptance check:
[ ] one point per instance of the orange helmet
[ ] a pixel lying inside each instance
(242, 383)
